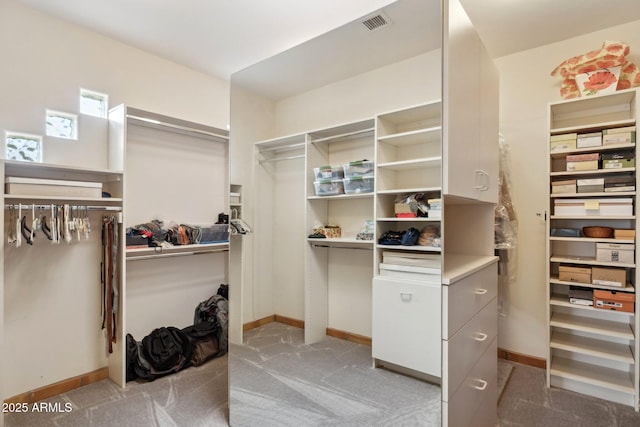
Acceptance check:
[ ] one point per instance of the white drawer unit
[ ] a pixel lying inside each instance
(405, 328)
(466, 297)
(464, 349)
(474, 402)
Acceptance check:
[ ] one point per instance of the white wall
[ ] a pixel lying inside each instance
(526, 88)
(51, 306)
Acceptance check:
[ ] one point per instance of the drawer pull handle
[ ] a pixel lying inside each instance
(480, 336)
(482, 386)
(406, 296)
(480, 291)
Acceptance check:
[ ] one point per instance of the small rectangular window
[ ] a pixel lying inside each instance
(94, 103)
(62, 125)
(23, 147)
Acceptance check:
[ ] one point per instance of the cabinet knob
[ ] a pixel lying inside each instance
(406, 296)
(482, 384)
(481, 291)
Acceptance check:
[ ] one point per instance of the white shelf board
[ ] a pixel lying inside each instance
(599, 125)
(627, 288)
(410, 190)
(157, 252)
(457, 267)
(601, 194)
(589, 240)
(50, 171)
(590, 217)
(93, 201)
(414, 248)
(342, 242)
(426, 162)
(343, 196)
(592, 374)
(414, 137)
(593, 172)
(592, 325)
(589, 261)
(562, 300)
(592, 347)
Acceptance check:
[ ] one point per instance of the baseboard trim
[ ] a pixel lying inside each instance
(522, 358)
(348, 336)
(60, 387)
(257, 323)
(290, 321)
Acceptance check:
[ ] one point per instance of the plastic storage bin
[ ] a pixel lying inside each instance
(329, 187)
(358, 184)
(359, 168)
(215, 233)
(328, 172)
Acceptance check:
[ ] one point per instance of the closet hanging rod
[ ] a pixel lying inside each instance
(91, 208)
(173, 254)
(284, 147)
(300, 156)
(347, 135)
(178, 127)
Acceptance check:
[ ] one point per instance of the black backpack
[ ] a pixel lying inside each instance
(216, 310)
(167, 349)
(206, 346)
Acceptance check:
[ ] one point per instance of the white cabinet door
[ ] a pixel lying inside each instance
(406, 323)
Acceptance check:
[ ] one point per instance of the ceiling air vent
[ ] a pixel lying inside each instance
(376, 21)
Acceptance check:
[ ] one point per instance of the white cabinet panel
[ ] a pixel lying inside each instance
(466, 297)
(406, 323)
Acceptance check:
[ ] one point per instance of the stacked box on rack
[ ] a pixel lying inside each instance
(569, 273)
(435, 208)
(586, 140)
(566, 186)
(613, 300)
(615, 252)
(583, 162)
(358, 168)
(593, 185)
(593, 207)
(52, 187)
(614, 184)
(562, 142)
(624, 135)
(618, 160)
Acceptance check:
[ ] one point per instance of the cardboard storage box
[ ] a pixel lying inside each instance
(615, 252)
(562, 142)
(589, 140)
(618, 160)
(609, 276)
(593, 207)
(623, 135)
(624, 233)
(574, 274)
(568, 186)
(594, 185)
(587, 165)
(614, 300)
(52, 187)
(619, 183)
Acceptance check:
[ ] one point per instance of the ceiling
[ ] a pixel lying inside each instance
(219, 37)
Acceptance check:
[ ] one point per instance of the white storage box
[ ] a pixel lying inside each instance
(423, 274)
(52, 187)
(589, 140)
(593, 207)
(359, 184)
(329, 187)
(615, 252)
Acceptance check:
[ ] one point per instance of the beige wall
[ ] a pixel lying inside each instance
(526, 88)
(44, 63)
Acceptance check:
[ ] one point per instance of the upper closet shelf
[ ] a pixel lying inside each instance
(94, 201)
(342, 196)
(595, 113)
(427, 162)
(410, 190)
(49, 171)
(158, 121)
(413, 137)
(181, 250)
(342, 243)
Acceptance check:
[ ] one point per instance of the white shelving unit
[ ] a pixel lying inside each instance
(591, 350)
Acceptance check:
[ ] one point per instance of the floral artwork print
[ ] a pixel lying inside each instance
(611, 54)
(597, 81)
